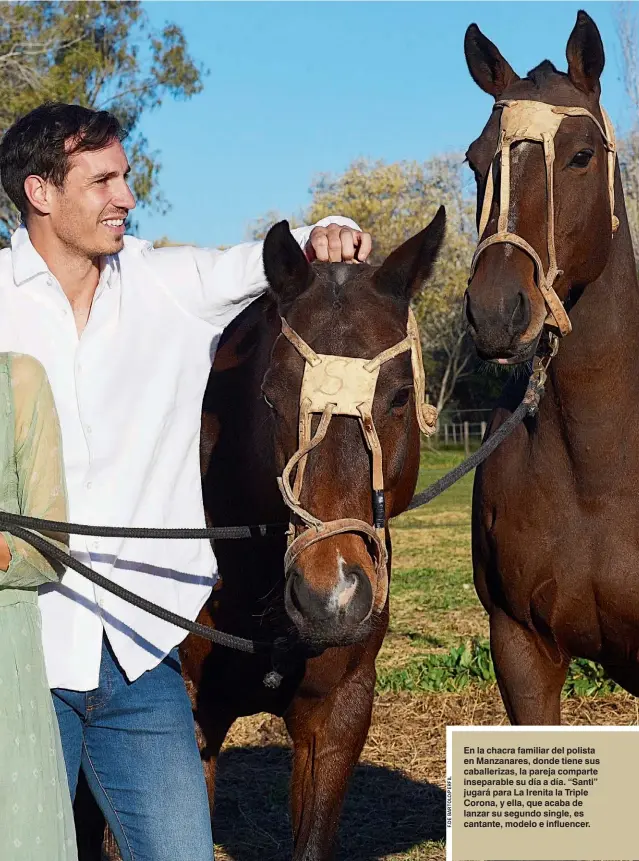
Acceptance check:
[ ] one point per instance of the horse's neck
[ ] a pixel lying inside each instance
(242, 465)
(594, 383)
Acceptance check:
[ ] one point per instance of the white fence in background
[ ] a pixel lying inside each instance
(461, 429)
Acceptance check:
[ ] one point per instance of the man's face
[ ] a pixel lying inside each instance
(88, 213)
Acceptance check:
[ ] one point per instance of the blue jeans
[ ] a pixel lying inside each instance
(135, 742)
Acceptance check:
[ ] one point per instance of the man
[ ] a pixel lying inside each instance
(127, 335)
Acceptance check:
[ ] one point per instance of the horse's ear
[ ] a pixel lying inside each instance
(486, 65)
(404, 272)
(585, 55)
(287, 270)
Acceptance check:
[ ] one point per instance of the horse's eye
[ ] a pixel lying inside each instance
(401, 398)
(582, 159)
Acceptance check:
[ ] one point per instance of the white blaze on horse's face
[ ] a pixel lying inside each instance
(345, 588)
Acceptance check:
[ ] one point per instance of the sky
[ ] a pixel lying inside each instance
(296, 89)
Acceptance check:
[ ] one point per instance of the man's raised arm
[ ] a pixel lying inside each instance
(217, 285)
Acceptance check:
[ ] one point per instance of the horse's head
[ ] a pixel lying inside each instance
(336, 585)
(544, 166)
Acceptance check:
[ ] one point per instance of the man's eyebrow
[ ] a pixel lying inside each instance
(108, 174)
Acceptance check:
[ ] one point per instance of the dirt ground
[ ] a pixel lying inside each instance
(395, 806)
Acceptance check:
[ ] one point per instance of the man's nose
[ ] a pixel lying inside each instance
(124, 198)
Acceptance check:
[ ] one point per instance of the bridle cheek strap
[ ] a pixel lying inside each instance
(537, 121)
(343, 385)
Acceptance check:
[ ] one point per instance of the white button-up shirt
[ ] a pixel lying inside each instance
(129, 395)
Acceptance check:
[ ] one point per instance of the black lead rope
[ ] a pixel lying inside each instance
(264, 530)
(20, 526)
(473, 461)
(58, 555)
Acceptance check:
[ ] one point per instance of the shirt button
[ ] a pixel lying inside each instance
(88, 428)
(89, 485)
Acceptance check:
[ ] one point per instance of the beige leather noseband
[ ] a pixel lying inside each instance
(523, 120)
(342, 385)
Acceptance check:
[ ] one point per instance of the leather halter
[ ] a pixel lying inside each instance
(523, 120)
(342, 385)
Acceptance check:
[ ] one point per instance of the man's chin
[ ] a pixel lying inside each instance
(112, 246)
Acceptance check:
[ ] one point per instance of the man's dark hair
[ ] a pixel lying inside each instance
(35, 144)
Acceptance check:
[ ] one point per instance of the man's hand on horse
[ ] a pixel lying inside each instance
(338, 244)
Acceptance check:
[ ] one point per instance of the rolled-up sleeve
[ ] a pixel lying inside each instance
(217, 285)
(40, 473)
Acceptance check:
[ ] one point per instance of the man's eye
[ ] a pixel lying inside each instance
(582, 158)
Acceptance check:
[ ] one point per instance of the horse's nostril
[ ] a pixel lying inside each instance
(297, 590)
(521, 315)
(350, 601)
(359, 605)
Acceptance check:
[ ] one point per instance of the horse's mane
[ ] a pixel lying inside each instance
(542, 73)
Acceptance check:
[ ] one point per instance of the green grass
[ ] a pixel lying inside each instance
(438, 635)
(470, 664)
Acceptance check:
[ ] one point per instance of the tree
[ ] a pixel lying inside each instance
(261, 226)
(393, 202)
(90, 53)
(628, 148)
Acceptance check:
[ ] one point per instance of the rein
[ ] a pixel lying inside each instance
(21, 526)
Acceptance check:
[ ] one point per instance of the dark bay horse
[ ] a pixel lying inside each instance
(332, 609)
(556, 507)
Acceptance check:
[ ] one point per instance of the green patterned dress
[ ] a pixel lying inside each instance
(36, 821)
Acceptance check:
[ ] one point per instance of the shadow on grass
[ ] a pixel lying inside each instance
(385, 813)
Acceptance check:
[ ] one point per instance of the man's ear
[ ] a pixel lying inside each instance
(38, 193)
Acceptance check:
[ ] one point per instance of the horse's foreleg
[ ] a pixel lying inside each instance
(328, 736)
(530, 672)
(211, 732)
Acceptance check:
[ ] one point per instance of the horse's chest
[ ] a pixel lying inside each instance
(567, 566)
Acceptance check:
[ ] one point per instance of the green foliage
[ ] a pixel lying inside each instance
(470, 664)
(103, 55)
(451, 671)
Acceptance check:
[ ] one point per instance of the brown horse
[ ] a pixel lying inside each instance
(556, 507)
(328, 609)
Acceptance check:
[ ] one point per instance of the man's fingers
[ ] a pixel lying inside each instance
(365, 246)
(319, 242)
(334, 243)
(347, 241)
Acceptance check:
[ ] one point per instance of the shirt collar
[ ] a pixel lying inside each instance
(28, 264)
(26, 261)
